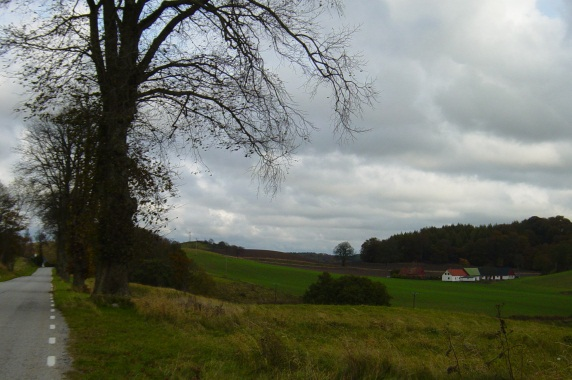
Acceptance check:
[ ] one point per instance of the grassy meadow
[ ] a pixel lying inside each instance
(453, 331)
(166, 334)
(531, 296)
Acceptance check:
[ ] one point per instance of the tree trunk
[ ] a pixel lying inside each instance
(115, 227)
(80, 263)
(116, 206)
(118, 81)
(112, 278)
(61, 254)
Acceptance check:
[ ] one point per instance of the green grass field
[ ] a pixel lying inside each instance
(173, 335)
(452, 332)
(532, 296)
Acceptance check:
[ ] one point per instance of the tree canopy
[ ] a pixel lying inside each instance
(346, 290)
(541, 244)
(12, 221)
(190, 71)
(344, 251)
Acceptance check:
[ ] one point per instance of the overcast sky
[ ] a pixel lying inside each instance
(472, 125)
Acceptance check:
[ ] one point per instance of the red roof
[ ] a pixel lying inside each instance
(457, 272)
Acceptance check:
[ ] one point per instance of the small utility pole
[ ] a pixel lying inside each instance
(414, 296)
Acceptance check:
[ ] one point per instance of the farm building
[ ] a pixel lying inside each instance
(473, 274)
(494, 274)
(412, 272)
(454, 275)
(478, 274)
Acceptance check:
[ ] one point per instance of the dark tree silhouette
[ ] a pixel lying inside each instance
(193, 69)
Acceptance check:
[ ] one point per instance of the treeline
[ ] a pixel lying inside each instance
(221, 247)
(12, 222)
(540, 244)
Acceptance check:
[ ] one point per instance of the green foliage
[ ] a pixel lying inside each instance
(200, 282)
(22, 267)
(346, 290)
(11, 223)
(37, 260)
(542, 244)
(160, 262)
(344, 251)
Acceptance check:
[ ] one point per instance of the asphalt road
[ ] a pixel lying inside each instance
(33, 334)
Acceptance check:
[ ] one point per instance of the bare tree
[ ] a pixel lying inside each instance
(57, 163)
(344, 251)
(194, 69)
(11, 223)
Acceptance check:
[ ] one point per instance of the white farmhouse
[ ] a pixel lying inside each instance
(454, 275)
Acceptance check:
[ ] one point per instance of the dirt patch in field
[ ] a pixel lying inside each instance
(329, 263)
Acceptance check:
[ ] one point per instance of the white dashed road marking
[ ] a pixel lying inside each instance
(52, 359)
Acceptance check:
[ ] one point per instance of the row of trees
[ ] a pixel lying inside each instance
(133, 76)
(58, 172)
(12, 222)
(542, 244)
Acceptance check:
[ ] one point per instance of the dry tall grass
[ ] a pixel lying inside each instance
(325, 342)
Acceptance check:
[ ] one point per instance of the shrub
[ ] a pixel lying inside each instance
(346, 290)
(200, 282)
(154, 272)
(160, 262)
(37, 260)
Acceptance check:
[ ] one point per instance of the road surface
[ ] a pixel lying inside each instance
(33, 333)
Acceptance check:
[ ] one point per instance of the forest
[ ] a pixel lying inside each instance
(539, 244)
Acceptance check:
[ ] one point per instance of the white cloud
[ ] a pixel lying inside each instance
(472, 126)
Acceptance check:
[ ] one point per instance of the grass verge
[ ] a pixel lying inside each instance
(166, 334)
(22, 267)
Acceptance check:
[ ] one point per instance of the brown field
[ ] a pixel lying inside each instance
(329, 263)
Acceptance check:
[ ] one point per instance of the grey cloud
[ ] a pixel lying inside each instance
(471, 126)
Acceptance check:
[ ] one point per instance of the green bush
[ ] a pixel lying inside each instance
(200, 282)
(37, 260)
(346, 290)
(160, 262)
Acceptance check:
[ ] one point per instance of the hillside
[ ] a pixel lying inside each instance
(520, 296)
(329, 263)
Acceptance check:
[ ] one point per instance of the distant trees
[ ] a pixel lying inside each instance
(344, 251)
(11, 223)
(346, 290)
(542, 244)
(382, 251)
